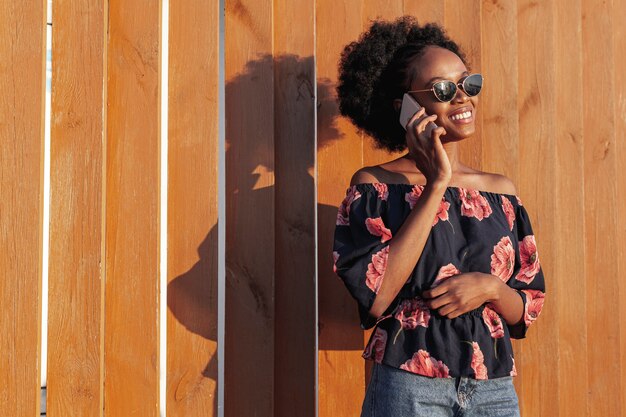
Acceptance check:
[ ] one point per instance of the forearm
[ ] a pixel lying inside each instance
(407, 245)
(507, 302)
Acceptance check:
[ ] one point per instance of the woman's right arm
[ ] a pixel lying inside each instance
(408, 242)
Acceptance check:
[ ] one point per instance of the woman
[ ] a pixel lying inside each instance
(440, 257)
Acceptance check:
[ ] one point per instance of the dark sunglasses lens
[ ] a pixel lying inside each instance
(444, 90)
(473, 84)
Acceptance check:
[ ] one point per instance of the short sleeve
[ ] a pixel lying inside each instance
(361, 246)
(528, 279)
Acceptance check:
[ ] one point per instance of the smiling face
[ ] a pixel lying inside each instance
(458, 116)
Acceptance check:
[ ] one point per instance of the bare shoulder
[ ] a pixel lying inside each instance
(365, 175)
(499, 184)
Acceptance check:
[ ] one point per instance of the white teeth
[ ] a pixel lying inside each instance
(460, 116)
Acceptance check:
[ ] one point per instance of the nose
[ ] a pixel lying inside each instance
(460, 96)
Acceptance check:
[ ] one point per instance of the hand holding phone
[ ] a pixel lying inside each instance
(408, 110)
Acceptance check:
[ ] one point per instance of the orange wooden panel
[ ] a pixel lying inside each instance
(536, 186)
(598, 98)
(568, 282)
(132, 210)
(428, 10)
(75, 316)
(250, 218)
(619, 222)
(339, 155)
(294, 150)
(192, 209)
(466, 32)
(22, 48)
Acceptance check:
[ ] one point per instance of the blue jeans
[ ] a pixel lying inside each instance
(398, 393)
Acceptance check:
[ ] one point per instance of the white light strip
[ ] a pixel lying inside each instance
(165, 14)
(46, 203)
(221, 216)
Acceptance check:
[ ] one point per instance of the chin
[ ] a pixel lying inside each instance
(456, 136)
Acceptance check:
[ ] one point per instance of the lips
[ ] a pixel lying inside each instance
(462, 115)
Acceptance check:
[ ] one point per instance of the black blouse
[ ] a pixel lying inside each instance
(473, 231)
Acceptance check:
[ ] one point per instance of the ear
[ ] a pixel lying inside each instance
(397, 104)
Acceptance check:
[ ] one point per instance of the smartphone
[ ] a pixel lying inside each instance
(408, 110)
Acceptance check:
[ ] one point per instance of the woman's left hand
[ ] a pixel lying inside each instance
(462, 293)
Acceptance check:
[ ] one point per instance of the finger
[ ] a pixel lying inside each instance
(448, 310)
(421, 126)
(436, 292)
(439, 302)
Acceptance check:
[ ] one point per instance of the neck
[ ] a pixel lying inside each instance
(452, 149)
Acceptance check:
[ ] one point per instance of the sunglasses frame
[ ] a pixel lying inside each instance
(459, 84)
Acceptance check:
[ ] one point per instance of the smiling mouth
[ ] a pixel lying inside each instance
(462, 118)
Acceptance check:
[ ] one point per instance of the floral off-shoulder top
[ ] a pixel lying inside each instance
(473, 231)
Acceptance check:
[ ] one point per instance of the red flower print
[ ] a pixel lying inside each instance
(412, 196)
(383, 193)
(473, 204)
(442, 212)
(519, 202)
(422, 363)
(376, 227)
(375, 349)
(507, 207)
(413, 312)
(503, 259)
(493, 322)
(529, 259)
(534, 304)
(513, 370)
(335, 258)
(478, 365)
(445, 272)
(343, 215)
(376, 269)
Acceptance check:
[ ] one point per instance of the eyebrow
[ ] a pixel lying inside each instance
(442, 78)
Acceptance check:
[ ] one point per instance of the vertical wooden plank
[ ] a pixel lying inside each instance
(294, 121)
(76, 165)
(619, 222)
(600, 192)
(339, 155)
(427, 11)
(192, 209)
(132, 210)
(568, 280)
(463, 23)
(22, 78)
(373, 10)
(250, 220)
(500, 128)
(536, 186)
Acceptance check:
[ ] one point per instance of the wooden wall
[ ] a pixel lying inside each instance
(550, 117)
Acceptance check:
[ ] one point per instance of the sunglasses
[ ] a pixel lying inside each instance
(445, 90)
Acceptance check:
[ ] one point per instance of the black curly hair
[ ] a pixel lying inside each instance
(376, 69)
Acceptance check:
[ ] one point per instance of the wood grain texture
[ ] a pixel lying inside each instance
(75, 310)
(428, 10)
(619, 108)
(192, 254)
(537, 157)
(250, 204)
(568, 281)
(132, 210)
(467, 34)
(22, 70)
(294, 150)
(601, 240)
(339, 155)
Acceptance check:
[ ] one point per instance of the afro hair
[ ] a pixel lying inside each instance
(376, 69)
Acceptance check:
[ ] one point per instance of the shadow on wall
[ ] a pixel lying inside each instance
(269, 95)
